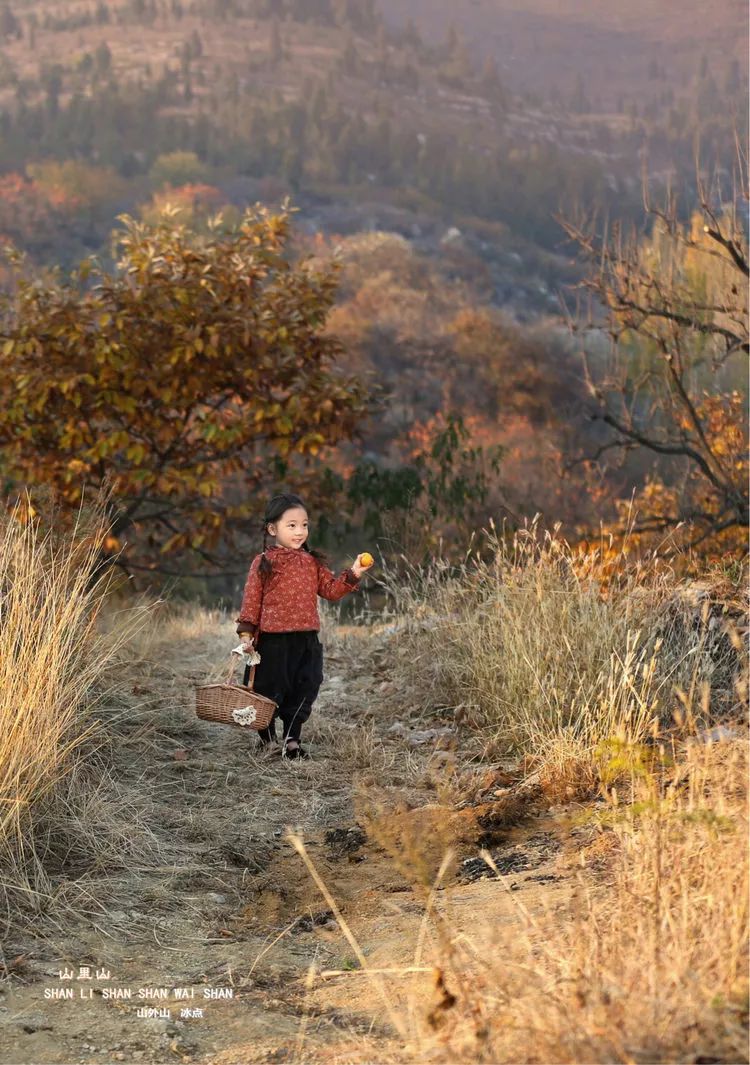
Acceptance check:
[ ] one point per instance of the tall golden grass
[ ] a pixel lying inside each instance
(51, 657)
(647, 963)
(609, 676)
(552, 651)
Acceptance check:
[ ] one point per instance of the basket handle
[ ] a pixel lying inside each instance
(248, 679)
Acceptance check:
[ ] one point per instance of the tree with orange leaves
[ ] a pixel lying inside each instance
(199, 364)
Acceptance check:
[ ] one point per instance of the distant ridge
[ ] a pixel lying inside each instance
(609, 44)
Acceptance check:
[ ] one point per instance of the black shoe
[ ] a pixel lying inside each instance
(294, 752)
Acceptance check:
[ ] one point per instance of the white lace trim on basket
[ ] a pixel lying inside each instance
(245, 715)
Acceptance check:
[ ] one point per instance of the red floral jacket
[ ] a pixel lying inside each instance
(287, 600)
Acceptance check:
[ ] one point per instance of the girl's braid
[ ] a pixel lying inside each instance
(265, 568)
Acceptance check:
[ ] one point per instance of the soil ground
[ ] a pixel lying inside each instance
(229, 909)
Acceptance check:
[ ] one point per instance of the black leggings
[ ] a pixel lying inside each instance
(290, 672)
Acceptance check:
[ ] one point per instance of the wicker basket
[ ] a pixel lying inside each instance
(234, 704)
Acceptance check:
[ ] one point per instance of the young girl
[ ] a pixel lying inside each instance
(279, 615)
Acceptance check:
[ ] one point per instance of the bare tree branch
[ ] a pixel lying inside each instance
(670, 340)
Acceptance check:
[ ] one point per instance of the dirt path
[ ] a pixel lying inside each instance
(228, 919)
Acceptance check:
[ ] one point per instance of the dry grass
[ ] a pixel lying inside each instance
(649, 962)
(55, 810)
(606, 677)
(603, 677)
(646, 960)
(545, 650)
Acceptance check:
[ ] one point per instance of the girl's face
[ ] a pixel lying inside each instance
(291, 529)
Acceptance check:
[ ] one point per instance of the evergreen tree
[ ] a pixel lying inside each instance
(102, 59)
(9, 24)
(409, 76)
(381, 55)
(733, 80)
(456, 66)
(410, 36)
(349, 58)
(293, 166)
(275, 51)
(345, 152)
(359, 15)
(319, 107)
(296, 119)
(185, 57)
(490, 76)
(451, 42)
(579, 102)
(51, 80)
(707, 101)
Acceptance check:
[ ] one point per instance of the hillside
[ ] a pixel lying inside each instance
(543, 47)
(334, 104)
(410, 134)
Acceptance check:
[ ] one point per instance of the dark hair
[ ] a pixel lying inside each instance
(275, 509)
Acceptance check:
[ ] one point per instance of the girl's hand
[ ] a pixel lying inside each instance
(364, 562)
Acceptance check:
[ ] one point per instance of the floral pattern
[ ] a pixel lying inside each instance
(287, 601)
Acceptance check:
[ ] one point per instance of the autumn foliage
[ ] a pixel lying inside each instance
(675, 382)
(185, 378)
